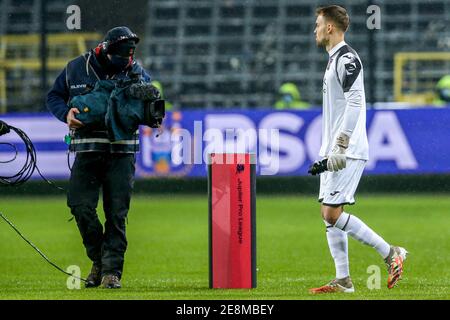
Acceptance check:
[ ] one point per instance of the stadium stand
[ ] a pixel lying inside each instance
(20, 87)
(237, 53)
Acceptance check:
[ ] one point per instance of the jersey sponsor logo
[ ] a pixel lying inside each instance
(350, 68)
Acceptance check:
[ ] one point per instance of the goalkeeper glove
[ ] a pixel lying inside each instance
(337, 159)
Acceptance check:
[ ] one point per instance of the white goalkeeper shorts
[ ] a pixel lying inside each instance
(338, 188)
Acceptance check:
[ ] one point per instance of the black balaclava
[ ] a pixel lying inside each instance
(120, 44)
(121, 54)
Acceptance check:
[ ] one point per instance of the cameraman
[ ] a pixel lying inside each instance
(99, 163)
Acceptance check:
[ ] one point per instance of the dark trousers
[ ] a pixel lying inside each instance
(114, 174)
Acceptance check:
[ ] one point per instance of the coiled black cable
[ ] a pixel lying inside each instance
(30, 165)
(15, 150)
(23, 176)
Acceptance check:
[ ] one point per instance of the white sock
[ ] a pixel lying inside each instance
(361, 232)
(338, 244)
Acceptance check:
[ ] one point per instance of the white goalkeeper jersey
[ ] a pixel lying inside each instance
(343, 88)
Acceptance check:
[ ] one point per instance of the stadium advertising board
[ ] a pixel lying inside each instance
(285, 142)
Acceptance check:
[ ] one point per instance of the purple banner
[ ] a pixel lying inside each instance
(415, 141)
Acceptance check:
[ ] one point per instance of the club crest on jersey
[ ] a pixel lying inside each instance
(329, 63)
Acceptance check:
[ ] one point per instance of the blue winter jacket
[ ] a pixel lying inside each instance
(80, 75)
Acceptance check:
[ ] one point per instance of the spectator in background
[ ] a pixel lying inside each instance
(158, 86)
(289, 98)
(443, 92)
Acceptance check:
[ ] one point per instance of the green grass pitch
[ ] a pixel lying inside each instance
(167, 255)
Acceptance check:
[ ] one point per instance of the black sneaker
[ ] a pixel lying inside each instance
(95, 277)
(111, 281)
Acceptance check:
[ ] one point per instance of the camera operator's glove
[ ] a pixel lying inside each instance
(144, 92)
(337, 159)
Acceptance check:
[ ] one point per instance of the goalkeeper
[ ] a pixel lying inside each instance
(99, 162)
(345, 146)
